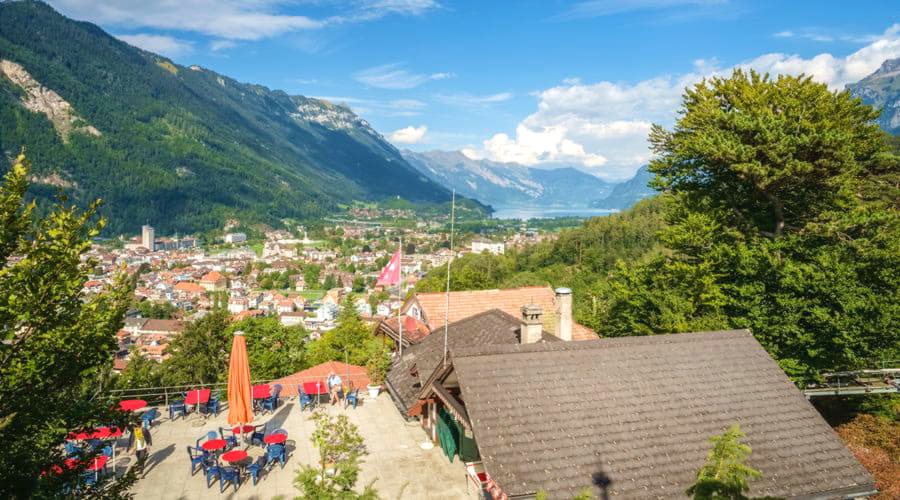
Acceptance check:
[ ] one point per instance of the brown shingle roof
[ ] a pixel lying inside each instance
(468, 303)
(419, 361)
(638, 411)
(163, 325)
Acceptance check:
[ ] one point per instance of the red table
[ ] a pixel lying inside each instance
(261, 391)
(243, 430)
(315, 388)
(72, 463)
(214, 445)
(234, 456)
(132, 404)
(107, 432)
(275, 438)
(197, 397)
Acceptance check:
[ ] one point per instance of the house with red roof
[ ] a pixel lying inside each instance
(354, 374)
(214, 281)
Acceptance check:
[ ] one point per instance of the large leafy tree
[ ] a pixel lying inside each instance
(782, 218)
(200, 354)
(273, 350)
(352, 341)
(57, 345)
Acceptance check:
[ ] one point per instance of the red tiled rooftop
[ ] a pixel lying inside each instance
(348, 373)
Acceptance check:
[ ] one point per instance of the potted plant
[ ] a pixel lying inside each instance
(377, 368)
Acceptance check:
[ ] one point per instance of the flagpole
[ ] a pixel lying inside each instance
(400, 294)
(449, 262)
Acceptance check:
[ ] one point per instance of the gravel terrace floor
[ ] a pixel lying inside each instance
(400, 468)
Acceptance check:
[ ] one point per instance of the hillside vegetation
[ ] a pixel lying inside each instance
(181, 147)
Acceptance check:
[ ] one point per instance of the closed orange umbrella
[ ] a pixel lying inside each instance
(240, 403)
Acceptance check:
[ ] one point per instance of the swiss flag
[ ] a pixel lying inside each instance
(390, 275)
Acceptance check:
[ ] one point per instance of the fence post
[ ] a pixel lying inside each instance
(166, 393)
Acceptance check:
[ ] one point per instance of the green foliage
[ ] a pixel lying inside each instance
(56, 344)
(377, 366)
(782, 219)
(341, 450)
(199, 355)
(140, 372)
(725, 476)
(352, 341)
(157, 310)
(311, 275)
(273, 350)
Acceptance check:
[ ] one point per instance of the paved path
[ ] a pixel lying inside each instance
(400, 468)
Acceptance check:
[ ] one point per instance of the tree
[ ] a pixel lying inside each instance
(200, 354)
(274, 350)
(56, 344)
(330, 282)
(780, 219)
(352, 341)
(725, 476)
(311, 275)
(359, 284)
(140, 372)
(341, 449)
(409, 249)
(157, 310)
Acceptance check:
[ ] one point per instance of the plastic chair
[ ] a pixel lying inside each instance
(208, 437)
(279, 431)
(72, 450)
(177, 407)
(231, 437)
(211, 406)
(352, 398)
(199, 457)
(149, 417)
(259, 433)
(271, 403)
(276, 452)
(211, 472)
(257, 467)
(305, 399)
(107, 451)
(231, 474)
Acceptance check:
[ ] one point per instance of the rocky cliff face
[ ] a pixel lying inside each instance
(40, 99)
(882, 90)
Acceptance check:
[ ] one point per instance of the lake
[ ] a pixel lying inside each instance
(525, 213)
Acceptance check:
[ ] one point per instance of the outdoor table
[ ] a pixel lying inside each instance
(234, 456)
(275, 438)
(243, 429)
(315, 389)
(132, 404)
(261, 391)
(197, 397)
(99, 463)
(109, 433)
(214, 445)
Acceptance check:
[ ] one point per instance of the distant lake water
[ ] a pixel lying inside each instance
(526, 213)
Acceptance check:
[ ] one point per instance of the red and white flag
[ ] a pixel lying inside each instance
(390, 275)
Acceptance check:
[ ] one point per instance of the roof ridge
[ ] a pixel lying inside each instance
(603, 343)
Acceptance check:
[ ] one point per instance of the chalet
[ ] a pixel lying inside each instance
(625, 417)
(292, 318)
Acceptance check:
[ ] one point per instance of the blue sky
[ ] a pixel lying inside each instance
(543, 83)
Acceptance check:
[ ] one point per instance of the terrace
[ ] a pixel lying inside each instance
(396, 462)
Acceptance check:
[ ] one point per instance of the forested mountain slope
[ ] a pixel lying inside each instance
(181, 147)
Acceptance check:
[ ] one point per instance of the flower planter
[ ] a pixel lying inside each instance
(373, 391)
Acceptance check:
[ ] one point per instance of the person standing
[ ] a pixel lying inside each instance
(334, 387)
(140, 443)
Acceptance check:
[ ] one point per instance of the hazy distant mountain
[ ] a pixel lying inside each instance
(509, 184)
(184, 148)
(629, 192)
(882, 89)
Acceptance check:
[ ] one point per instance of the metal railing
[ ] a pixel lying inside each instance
(165, 394)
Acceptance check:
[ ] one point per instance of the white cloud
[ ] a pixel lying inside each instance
(603, 126)
(165, 45)
(409, 135)
(474, 101)
(395, 77)
(217, 45)
(395, 107)
(230, 19)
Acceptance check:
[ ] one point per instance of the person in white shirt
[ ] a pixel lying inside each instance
(334, 386)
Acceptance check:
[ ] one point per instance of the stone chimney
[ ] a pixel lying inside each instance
(534, 325)
(564, 313)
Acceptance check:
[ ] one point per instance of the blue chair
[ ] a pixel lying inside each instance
(230, 436)
(257, 467)
(198, 456)
(211, 406)
(72, 450)
(276, 452)
(352, 398)
(107, 451)
(231, 474)
(208, 437)
(305, 399)
(212, 472)
(88, 478)
(279, 431)
(177, 407)
(259, 433)
(271, 403)
(149, 417)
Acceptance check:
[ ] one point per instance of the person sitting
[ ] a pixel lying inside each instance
(334, 387)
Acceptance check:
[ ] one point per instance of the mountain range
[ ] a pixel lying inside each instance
(882, 90)
(183, 148)
(514, 185)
